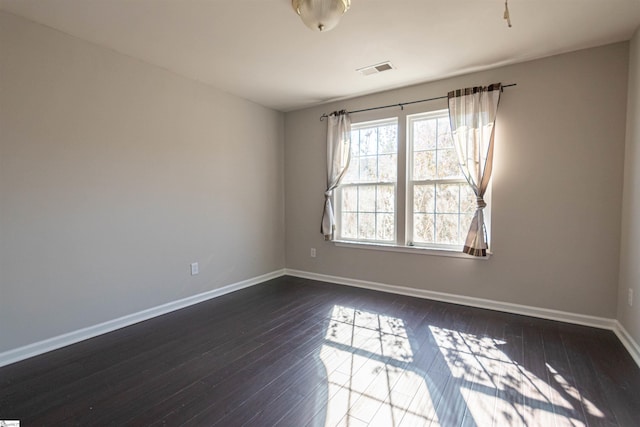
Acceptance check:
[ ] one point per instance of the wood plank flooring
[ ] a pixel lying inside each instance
(296, 352)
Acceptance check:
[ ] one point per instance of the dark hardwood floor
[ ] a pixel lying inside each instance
(295, 352)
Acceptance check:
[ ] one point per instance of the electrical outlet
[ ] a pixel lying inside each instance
(630, 297)
(194, 268)
(313, 252)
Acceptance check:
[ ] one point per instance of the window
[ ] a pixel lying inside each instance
(368, 191)
(434, 196)
(442, 202)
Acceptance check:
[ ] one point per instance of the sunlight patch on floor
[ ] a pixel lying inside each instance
(573, 392)
(378, 334)
(492, 381)
(375, 380)
(367, 357)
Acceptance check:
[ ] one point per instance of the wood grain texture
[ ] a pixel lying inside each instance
(297, 352)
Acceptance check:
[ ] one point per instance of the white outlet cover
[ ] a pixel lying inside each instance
(194, 268)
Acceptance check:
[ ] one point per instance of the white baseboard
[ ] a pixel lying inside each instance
(64, 340)
(544, 313)
(629, 343)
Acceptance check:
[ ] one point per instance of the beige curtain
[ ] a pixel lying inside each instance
(472, 112)
(338, 155)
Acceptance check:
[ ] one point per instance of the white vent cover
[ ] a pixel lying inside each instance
(375, 69)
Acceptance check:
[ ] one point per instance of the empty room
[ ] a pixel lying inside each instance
(319, 213)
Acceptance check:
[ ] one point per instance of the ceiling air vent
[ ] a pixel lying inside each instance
(375, 69)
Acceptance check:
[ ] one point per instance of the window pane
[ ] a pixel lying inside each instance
(367, 212)
(448, 166)
(449, 225)
(388, 139)
(447, 198)
(385, 227)
(351, 175)
(424, 165)
(423, 228)
(447, 229)
(387, 165)
(367, 226)
(369, 141)
(424, 135)
(349, 225)
(424, 198)
(350, 199)
(386, 199)
(368, 169)
(367, 198)
(355, 143)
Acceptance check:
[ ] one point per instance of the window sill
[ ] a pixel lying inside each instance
(416, 250)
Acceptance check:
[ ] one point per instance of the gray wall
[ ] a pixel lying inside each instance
(114, 176)
(630, 246)
(557, 189)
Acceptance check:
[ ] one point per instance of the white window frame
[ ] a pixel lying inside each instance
(338, 194)
(403, 220)
(411, 183)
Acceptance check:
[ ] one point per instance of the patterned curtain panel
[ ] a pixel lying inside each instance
(472, 112)
(338, 154)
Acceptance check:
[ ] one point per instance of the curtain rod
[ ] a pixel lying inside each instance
(402, 104)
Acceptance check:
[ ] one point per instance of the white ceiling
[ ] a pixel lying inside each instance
(261, 51)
